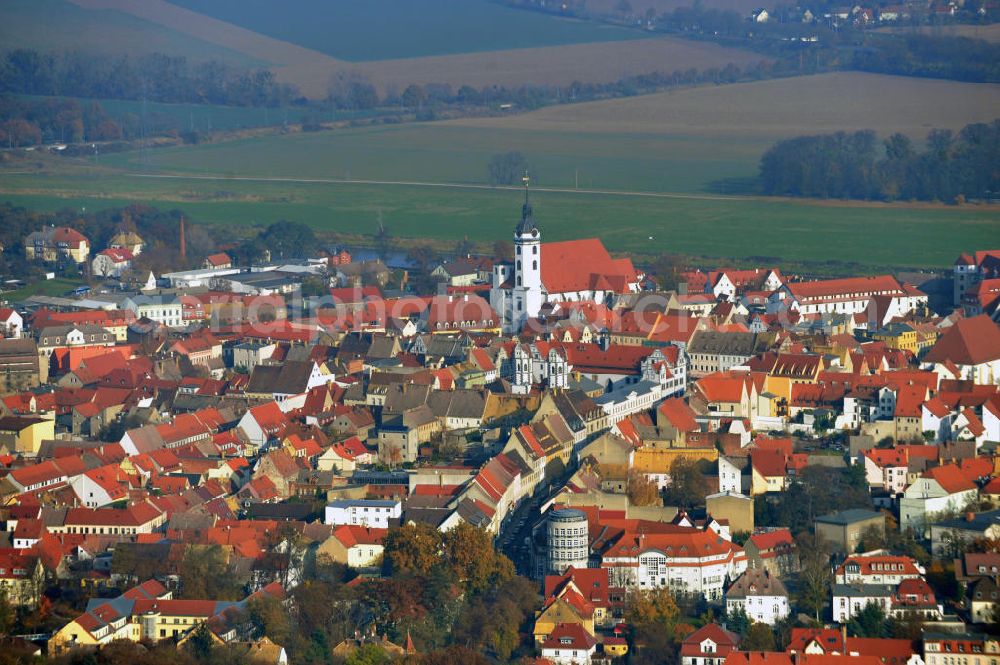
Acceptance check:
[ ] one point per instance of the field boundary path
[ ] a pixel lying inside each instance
(552, 190)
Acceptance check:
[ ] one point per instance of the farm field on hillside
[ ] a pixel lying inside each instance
(62, 25)
(591, 56)
(811, 105)
(385, 29)
(921, 236)
(598, 62)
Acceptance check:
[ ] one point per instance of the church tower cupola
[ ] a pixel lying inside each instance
(527, 263)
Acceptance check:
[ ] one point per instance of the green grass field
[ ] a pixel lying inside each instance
(386, 29)
(436, 152)
(58, 25)
(877, 236)
(45, 287)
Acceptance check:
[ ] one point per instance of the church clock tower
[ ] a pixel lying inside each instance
(527, 295)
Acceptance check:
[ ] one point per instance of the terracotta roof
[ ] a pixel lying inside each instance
(969, 342)
(575, 634)
(118, 255)
(575, 265)
(725, 641)
(850, 287)
(769, 463)
(780, 539)
(878, 565)
(679, 414)
(950, 478)
(69, 236)
(219, 259)
(889, 651)
(829, 639)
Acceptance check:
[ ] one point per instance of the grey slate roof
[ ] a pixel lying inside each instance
(712, 342)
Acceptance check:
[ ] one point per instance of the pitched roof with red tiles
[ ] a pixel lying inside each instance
(582, 265)
(773, 543)
(950, 478)
(725, 642)
(889, 651)
(270, 417)
(678, 414)
(116, 254)
(914, 592)
(850, 287)
(969, 342)
(724, 388)
(569, 636)
(769, 463)
(829, 639)
(72, 237)
(880, 564)
(350, 535)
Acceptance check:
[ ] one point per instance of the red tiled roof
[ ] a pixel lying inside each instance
(219, 259)
(950, 478)
(578, 637)
(576, 265)
(830, 639)
(968, 342)
(725, 641)
(879, 564)
(850, 287)
(889, 651)
(68, 236)
(768, 463)
(779, 539)
(679, 414)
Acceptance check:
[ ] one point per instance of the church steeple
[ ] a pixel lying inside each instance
(527, 224)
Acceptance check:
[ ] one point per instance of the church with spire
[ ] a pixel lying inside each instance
(568, 271)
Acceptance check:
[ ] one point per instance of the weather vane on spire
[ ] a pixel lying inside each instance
(526, 179)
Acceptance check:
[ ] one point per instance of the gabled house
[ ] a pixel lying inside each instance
(774, 551)
(762, 597)
(940, 490)
(709, 645)
(970, 349)
(569, 644)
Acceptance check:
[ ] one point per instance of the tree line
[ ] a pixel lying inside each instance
(952, 168)
(155, 77)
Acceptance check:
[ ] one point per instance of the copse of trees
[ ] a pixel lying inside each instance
(952, 168)
(30, 121)
(957, 58)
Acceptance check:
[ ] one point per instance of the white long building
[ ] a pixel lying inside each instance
(686, 560)
(848, 296)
